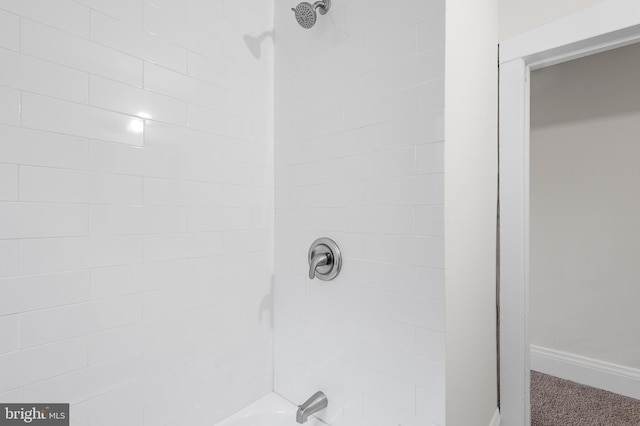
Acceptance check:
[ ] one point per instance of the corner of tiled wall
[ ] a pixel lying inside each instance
(359, 158)
(136, 207)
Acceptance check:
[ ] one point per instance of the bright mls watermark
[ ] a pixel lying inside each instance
(34, 414)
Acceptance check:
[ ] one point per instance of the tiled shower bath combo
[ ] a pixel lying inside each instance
(165, 166)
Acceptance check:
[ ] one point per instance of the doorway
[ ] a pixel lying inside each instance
(602, 27)
(585, 240)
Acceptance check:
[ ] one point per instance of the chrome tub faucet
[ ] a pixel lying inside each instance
(317, 402)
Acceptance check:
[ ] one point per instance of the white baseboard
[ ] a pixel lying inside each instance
(587, 371)
(496, 418)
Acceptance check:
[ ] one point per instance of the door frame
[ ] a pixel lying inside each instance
(604, 26)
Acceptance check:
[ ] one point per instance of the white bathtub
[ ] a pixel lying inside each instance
(271, 410)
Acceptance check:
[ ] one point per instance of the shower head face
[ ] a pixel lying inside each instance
(305, 15)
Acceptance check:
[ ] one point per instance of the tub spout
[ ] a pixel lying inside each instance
(317, 402)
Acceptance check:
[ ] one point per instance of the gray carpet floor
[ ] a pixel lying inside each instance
(558, 402)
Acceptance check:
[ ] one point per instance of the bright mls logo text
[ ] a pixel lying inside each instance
(38, 414)
(28, 416)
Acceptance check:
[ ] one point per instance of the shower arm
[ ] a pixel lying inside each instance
(320, 4)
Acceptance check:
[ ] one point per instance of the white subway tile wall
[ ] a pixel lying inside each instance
(359, 158)
(136, 207)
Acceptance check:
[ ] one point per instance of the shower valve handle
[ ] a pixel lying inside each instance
(325, 259)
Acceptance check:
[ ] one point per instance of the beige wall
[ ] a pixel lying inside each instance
(517, 16)
(585, 172)
(470, 210)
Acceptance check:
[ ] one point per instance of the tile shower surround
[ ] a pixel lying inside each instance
(137, 177)
(136, 208)
(359, 159)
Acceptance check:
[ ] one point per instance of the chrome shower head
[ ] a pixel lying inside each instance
(306, 12)
(305, 15)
